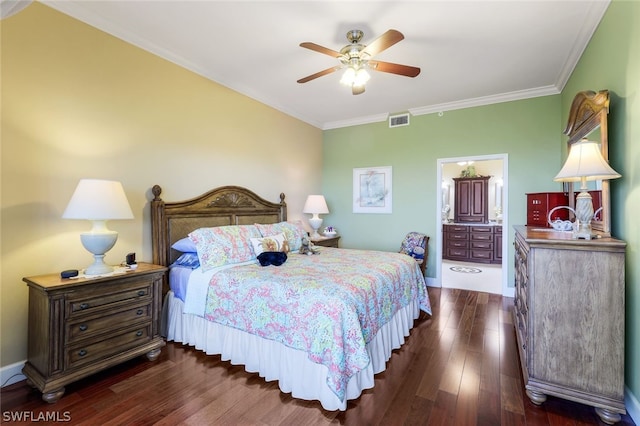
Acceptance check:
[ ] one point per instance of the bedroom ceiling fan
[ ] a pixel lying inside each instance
(356, 58)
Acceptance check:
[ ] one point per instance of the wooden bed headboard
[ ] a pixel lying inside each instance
(226, 205)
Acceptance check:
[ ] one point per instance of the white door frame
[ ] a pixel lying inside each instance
(506, 290)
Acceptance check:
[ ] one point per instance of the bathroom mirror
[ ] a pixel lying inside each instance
(588, 119)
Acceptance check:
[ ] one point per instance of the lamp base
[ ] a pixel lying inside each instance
(584, 214)
(98, 267)
(584, 236)
(98, 243)
(316, 223)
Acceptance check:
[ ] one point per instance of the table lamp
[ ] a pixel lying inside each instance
(98, 201)
(315, 205)
(585, 163)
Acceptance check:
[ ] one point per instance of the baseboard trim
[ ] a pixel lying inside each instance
(632, 404)
(431, 282)
(11, 373)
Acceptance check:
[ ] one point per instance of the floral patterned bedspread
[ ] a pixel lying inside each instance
(329, 305)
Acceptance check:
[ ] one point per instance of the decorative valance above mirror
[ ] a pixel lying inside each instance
(588, 119)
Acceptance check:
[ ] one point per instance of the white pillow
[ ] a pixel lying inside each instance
(276, 242)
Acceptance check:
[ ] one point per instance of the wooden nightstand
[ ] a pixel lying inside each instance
(326, 241)
(78, 327)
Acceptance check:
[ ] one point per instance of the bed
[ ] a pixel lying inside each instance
(322, 325)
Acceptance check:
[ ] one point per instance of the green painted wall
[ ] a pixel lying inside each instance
(525, 130)
(612, 61)
(529, 132)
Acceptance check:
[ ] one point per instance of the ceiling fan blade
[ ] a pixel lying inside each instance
(383, 42)
(392, 68)
(319, 74)
(356, 90)
(320, 49)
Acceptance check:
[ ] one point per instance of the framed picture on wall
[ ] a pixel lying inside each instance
(372, 190)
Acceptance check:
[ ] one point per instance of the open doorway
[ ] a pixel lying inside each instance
(493, 277)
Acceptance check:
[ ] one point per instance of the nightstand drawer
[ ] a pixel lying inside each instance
(108, 297)
(79, 355)
(87, 327)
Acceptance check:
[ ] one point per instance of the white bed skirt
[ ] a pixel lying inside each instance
(295, 373)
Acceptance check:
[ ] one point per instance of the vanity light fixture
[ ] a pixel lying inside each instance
(98, 201)
(585, 163)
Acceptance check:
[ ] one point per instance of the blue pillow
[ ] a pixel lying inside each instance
(187, 260)
(185, 245)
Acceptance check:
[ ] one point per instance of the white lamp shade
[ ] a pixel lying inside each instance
(315, 204)
(585, 162)
(96, 199)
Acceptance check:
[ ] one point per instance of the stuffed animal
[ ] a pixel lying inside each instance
(307, 247)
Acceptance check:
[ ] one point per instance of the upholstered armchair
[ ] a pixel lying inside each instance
(416, 245)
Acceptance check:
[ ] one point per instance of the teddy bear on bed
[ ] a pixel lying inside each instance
(307, 247)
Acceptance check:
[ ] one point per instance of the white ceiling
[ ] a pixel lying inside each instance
(470, 52)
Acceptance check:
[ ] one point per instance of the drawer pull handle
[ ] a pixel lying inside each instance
(83, 327)
(141, 293)
(84, 305)
(139, 333)
(139, 312)
(82, 352)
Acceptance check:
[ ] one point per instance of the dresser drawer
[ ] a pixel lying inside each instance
(83, 328)
(96, 349)
(458, 244)
(456, 228)
(108, 297)
(481, 230)
(451, 236)
(484, 255)
(481, 237)
(482, 243)
(457, 253)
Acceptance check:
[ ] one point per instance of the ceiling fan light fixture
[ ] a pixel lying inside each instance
(355, 58)
(348, 77)
(362, 77)
(355, 77)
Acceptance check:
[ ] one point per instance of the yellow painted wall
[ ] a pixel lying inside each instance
(78, 103)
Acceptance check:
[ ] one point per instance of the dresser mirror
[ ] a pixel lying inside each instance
(588, 119)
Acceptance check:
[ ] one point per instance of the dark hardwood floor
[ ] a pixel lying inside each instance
(459, 367)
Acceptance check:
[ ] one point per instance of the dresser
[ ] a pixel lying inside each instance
(80, 326)
(569, 318)
(472, 243)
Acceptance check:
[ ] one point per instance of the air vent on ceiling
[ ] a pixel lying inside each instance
(399, 120)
